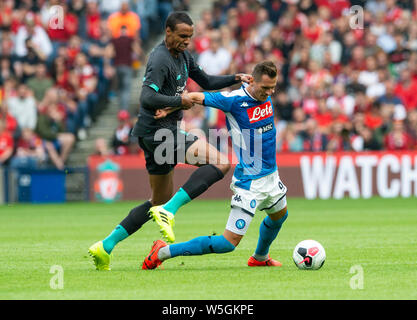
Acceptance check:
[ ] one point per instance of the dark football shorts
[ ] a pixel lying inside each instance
(162, 156)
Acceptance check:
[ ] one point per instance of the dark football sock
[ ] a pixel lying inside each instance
(136, 218)
(201, 179)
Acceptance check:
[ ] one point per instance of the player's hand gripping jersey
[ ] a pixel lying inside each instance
(251, 126)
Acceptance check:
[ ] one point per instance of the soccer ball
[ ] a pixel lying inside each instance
(309, 255)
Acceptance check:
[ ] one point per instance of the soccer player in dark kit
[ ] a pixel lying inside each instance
(168, 68)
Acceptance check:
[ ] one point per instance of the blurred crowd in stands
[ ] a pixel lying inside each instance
(60, 63)
(347, 81)
(342, 86)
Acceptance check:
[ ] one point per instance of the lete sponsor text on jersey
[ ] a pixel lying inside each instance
(260, 112)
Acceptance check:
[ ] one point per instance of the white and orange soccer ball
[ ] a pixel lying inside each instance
(309, 255)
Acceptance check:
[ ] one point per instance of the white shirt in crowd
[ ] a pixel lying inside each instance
(347, 103)
(368, 78)
(40, 39)
(110, 6)
(24, 111)
(375, 90)
(215, 63)
(318, 50)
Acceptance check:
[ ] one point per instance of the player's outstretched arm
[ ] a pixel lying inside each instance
(210, 82)
(194, 97)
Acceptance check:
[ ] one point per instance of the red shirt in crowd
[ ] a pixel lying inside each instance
(243, 58)
(17, 21)
(6, 16)
(11, 123)
(246, 21)
(93, 25)
(398, 141)
(299, 21)
(342, 118)
(6, 141)
(85, 74)
(312, 34)
(60, 108)
(315, 79)
(373, 121)
(337, 142)
(358, 65)
(72, 53)
(192, 86)
(201, 44)
(324, 120)
(310, 106)
(31, 144)
(336, 6)
(407, 94)
(70, 29)
(62, 81)
(393, 14)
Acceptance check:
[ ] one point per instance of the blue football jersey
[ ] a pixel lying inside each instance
(251, 126)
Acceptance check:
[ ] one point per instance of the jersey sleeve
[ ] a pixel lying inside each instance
(156, 73)
(194, 68)
(219, 100)
(208, 82)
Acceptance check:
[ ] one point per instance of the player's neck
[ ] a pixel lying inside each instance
(251, 92)
(171, 50)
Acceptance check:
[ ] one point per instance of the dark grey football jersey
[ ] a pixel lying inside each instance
(166, 75)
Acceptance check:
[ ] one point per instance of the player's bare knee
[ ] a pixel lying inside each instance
(280, 214)
(232, 237)
(223, 167)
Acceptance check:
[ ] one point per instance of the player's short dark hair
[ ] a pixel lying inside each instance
(178, 17)
(265, 67)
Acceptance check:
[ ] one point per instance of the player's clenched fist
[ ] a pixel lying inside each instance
(186, 101)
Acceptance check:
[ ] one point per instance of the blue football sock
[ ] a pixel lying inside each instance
(118, 234)
(201, 245)
(178, 200)
(268, 231)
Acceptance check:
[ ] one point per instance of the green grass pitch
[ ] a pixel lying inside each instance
(377, 236)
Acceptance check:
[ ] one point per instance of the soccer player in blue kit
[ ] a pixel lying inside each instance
(256, 183)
